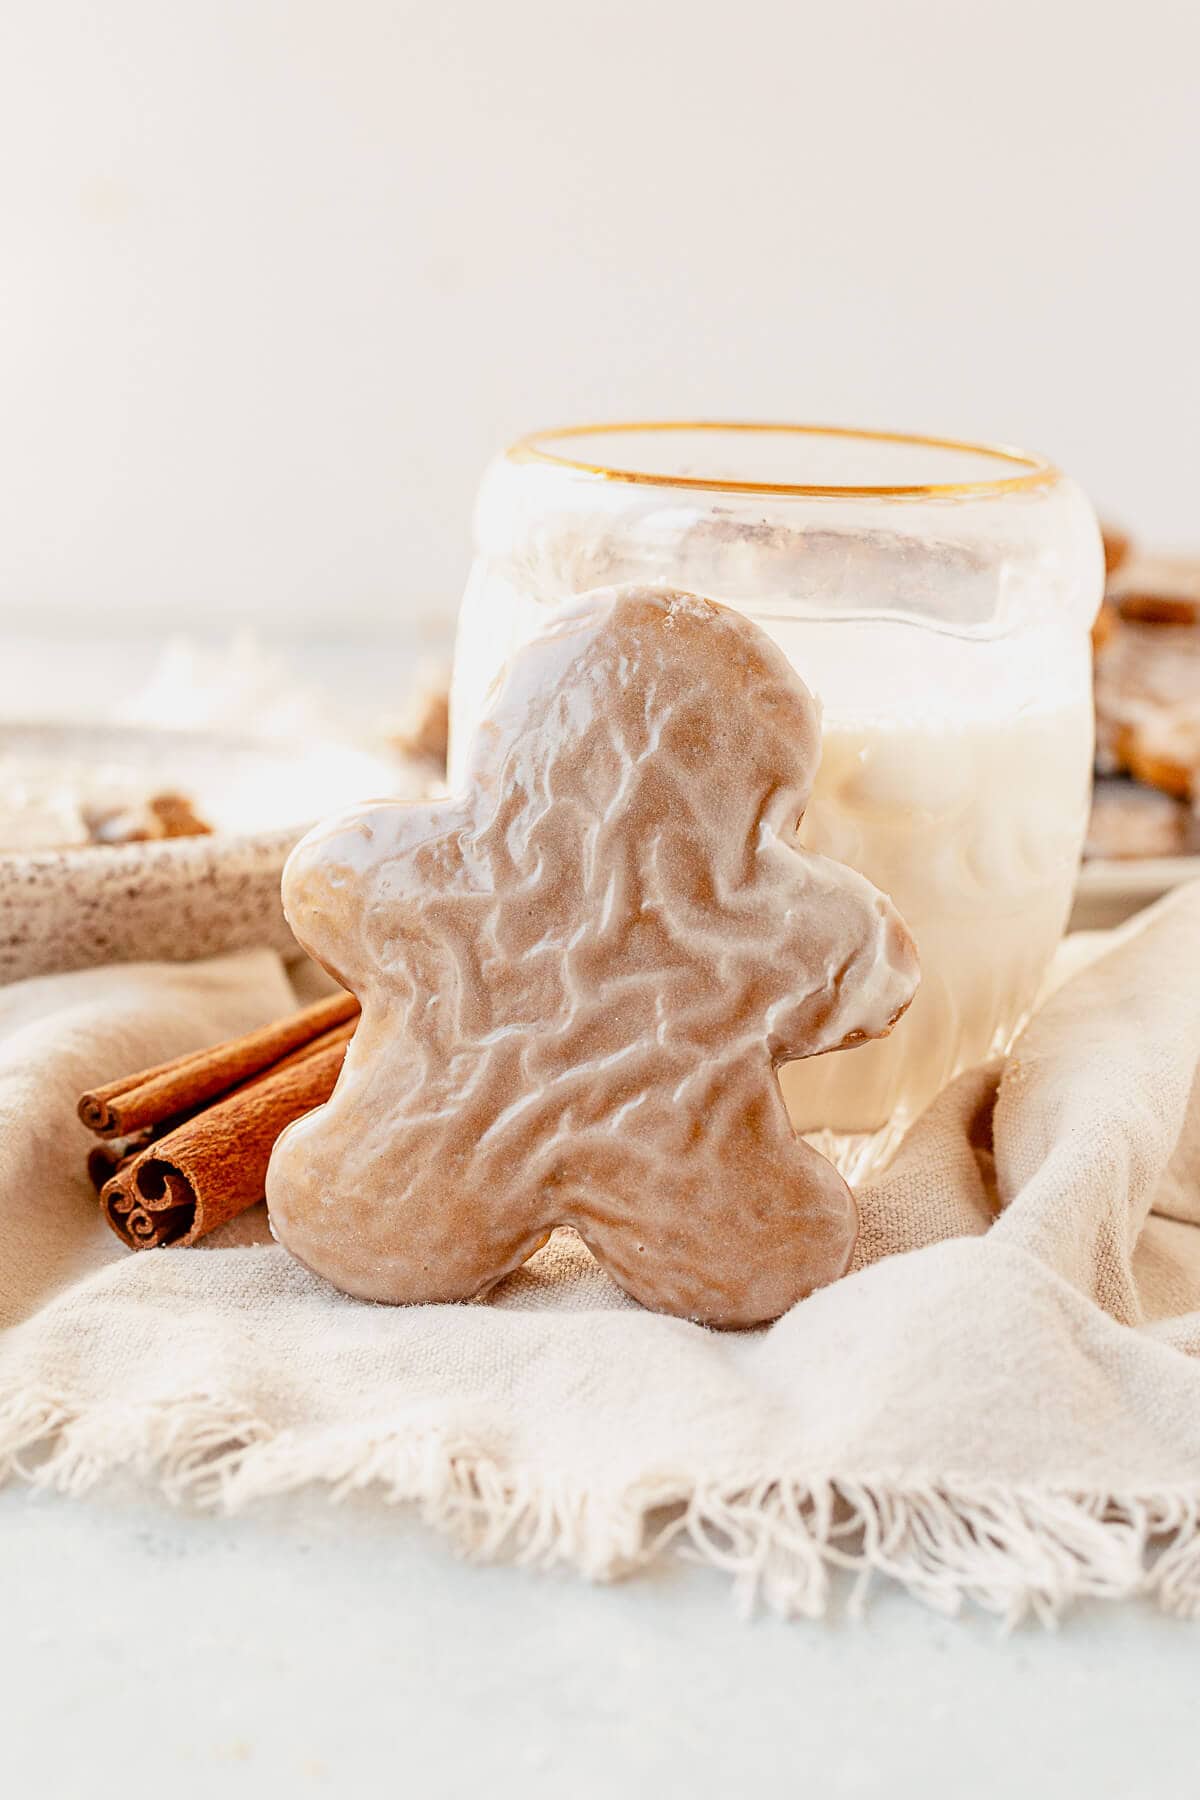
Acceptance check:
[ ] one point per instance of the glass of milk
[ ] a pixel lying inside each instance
(937, 597)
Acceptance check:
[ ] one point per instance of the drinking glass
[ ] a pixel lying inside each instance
(937, 598)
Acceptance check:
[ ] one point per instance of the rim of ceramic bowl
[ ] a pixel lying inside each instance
(200, 848)
(204, 848)
(1036, 471)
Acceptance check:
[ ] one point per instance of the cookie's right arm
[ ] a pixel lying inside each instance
(322, 892)
(333, 875)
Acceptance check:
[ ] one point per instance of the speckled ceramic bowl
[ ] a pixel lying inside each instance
(177, 898)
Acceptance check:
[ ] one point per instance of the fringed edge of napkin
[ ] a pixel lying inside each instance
(1016, 1551)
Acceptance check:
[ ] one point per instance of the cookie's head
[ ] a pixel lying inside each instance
(659, 702)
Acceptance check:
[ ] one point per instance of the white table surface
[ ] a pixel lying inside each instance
(331, 1649)
(343, 1650)
(315, 1649)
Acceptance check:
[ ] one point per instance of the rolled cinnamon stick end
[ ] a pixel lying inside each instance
(161, 1215)
(100, 1108)
(214, 1166)
(121, 1108)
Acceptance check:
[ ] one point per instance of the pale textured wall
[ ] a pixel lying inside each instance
(277, 275)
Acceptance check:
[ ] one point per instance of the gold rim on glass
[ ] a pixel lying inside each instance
(1036, 470)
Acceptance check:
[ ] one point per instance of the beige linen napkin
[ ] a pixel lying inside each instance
(1001, 1402)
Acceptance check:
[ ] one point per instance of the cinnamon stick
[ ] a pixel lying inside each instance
(104, 1159)
(213, 1166)
(122, 1108)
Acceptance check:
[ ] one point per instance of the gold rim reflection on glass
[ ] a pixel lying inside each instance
(1036, 471)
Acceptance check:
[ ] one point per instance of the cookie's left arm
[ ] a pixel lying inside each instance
(854, 961)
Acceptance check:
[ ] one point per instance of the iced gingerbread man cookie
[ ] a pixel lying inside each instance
(579, 977)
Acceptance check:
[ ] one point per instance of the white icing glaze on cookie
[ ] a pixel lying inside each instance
(579, 977)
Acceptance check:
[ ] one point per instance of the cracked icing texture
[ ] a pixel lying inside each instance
(579, 977)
